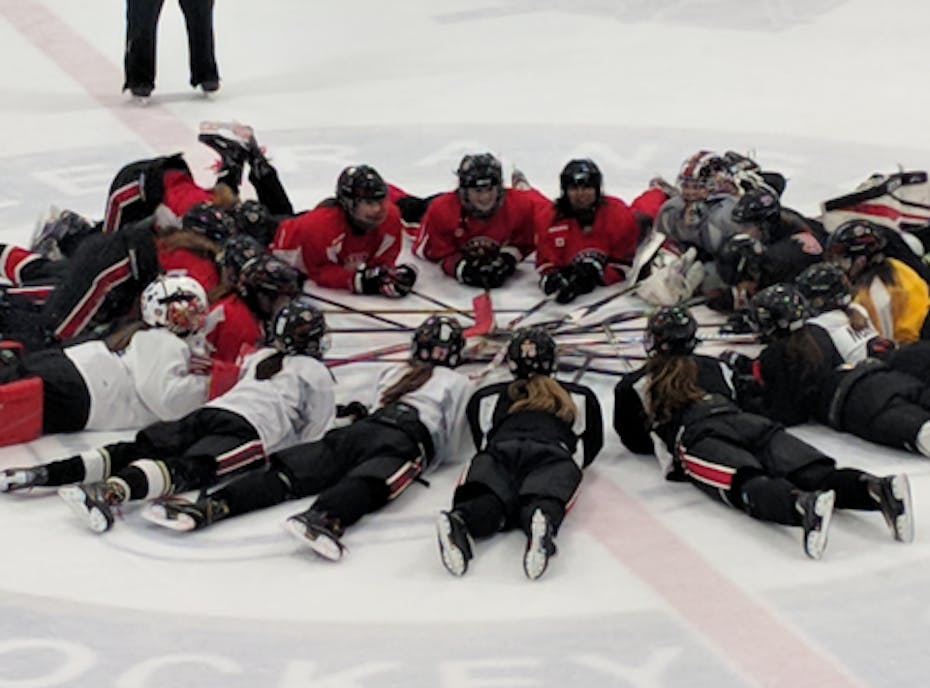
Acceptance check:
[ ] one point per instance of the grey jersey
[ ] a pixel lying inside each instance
(702, 224)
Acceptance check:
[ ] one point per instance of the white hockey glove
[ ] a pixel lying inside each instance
(673, 279)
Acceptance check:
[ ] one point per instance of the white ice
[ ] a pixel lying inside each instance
(654, 585)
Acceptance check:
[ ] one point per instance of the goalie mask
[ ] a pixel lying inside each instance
(531, 352)
(702, 174)
(299, 328)
(825, 286)
(777, 311)
(176, 302)
(670, 330)
(438, 340)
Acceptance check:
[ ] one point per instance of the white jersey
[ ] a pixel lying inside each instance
(148, 381)
(295, 405)
(441, 403)
(852, 345)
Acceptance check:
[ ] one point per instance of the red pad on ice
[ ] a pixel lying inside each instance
(20, 411)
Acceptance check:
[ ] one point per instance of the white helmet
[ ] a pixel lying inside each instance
(176, 302)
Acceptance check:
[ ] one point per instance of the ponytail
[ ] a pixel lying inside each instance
(672, 386)
(542, 393)
(415, 377)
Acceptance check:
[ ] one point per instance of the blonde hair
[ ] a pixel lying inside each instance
(542, 393)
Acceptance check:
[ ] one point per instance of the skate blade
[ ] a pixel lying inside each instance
(452, 557)
(157, 514)
(320, 544)
(93, 517)
(903, 524)
(817, 540)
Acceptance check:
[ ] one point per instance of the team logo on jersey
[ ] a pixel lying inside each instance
(335, 248)
(808, 242)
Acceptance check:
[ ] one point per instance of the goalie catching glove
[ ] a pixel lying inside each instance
(392, 281)
(672, 278)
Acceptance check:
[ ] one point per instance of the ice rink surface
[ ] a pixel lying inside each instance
(654, 584)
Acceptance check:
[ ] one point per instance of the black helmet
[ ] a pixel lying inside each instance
(357, 182)
(209, 221)
(757, 207)
(439, 340)
(670, 330)
(479, 171)
(740, 259)
(256, 220)
(299, 328)
(237, 251)
(531, 351)
(581, 173)
(778, 310)
(265, 273)
(825, 286)
(856, 238)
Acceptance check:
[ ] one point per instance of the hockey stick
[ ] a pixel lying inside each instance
(357, 311)
(484, 323)
(445, 306)
(890, 185)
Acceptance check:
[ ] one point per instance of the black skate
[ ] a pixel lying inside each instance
(816, 509)
(455, 544)
(539, 546)
(518, 180)
(141, 95)
(59, 232)
(234, 153)
(13, 479)
(184, 515)
(319, 532)
(93, 503)
(893, 495)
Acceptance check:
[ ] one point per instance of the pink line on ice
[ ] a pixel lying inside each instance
(97, 74)
(749, 636)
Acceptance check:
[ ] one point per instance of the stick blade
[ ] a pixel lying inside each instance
(484, 316)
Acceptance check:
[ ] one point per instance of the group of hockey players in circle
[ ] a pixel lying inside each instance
(183, 313)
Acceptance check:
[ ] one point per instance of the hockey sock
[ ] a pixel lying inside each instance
(552, 508)
(254, 492)
(770, 499)
(851, 487)
(351, 498)
(89, 466)
(483, 512)
(146, 479)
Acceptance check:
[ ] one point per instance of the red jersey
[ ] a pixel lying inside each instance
(446, 228)
(194, 265)
(234, 326)
(321, 244)
(182, 193)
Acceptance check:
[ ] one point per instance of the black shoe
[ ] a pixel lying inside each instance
(455, 544)
(211, 86)
(319, 532)
(13, 479)
(182, 514)
(893, 495)
(539, 546)
(816, 509)
(93, 503)
(141, 91)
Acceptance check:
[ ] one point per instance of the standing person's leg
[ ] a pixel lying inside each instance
(141, 35)
(198, 15)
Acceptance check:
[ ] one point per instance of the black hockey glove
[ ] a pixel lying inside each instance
(354, 410)
(498, 269)
(554, 280)
(398, 281)
(589, 273)
(739, 363)
(468, 271)
(738, 323)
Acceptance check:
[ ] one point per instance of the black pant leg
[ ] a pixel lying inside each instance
(141, 34)
(198, 15)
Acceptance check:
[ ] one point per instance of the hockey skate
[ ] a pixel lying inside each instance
(58, 232)
(141, 95)
(13, 479)
(519, 181)
(539, 546)
(455, 544)
(816, 509)
(893, 496)
(184, 515)
(319, 532)
(93, 503)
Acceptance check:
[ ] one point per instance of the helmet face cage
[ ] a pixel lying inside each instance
(740, 259)
(778, 310)
(757, 207)
(299, 328)
(705, 171)
(254, 219)
(482, 171)
(670, 330)
(359, 182)
(176, 302)
(438, 340)
(265, 273)
(237, 251)
(209, 221)
(531, 351)
(825, 286)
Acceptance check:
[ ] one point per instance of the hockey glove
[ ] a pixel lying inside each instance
(468, 271)
(672, 279)
(498, 269)
(353, 411)
(367, 280)
(589, 272)
(738, 323)
(398, 281)
(554, 280)
(739, 363)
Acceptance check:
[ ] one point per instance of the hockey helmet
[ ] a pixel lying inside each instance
(237, 251)
(254, 219)
(778, 310)
(531, 352)
(856, 238)
(670, 330)
(825, 286)
(581, 172)
(299, 328)
(175, 302)
(439, 340)
(705, 171)
(740, 259)
(209, 221)
(480, 171)
(265, 273)
(757, 207)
